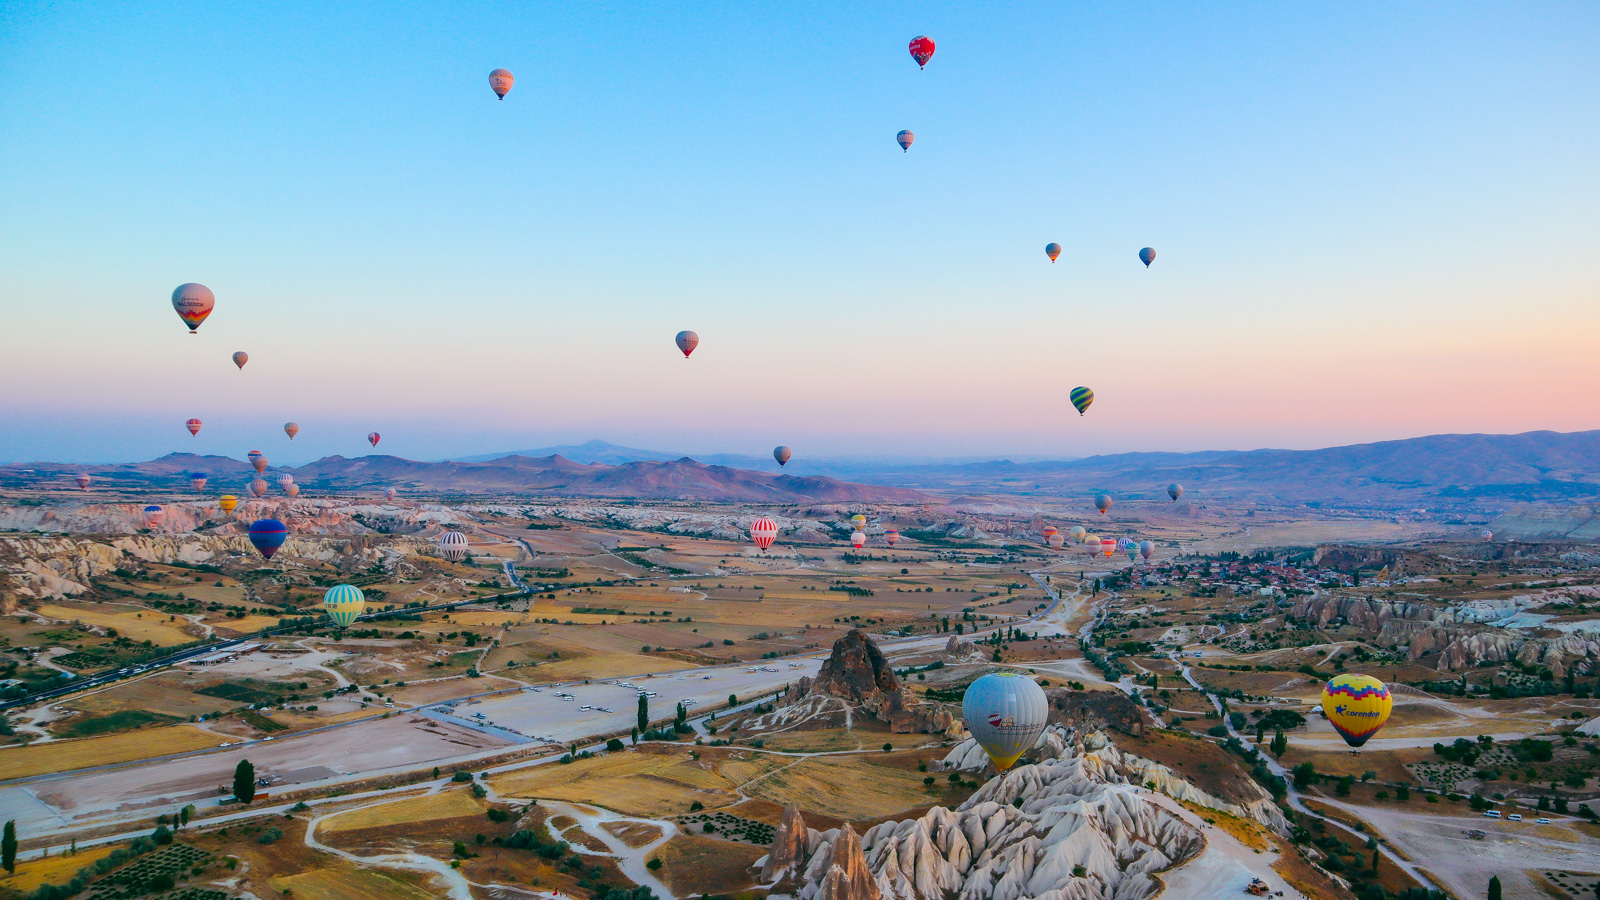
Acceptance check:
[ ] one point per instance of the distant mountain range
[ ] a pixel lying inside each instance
(1447, 470)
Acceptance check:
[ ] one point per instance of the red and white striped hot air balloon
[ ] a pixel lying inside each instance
(858, 539)
(763, 532)
(373, 438)
(193, 425)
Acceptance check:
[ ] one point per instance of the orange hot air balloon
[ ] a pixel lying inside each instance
(291, 429)
(292, 490)
(193, 425)
(258, 460)
(500, 82)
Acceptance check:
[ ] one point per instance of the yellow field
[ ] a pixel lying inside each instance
(52, 869)
(153, 627)
(62, 756)
(445, 805)
(246, 625)
(473, 617)
(844, 787)
(347, 884)
(598, 665)
(656, 782)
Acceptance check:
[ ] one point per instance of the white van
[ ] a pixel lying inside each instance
(1515, 817)
(1492, 814)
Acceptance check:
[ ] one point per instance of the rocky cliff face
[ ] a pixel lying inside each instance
(1085, 830)
(844, 871)
(793, 843)
(857, 672)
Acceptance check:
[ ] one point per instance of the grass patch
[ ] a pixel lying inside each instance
(122, 720)
(258, 721)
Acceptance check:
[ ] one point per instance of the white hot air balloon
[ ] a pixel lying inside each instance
(1006, 713)
(453, 545)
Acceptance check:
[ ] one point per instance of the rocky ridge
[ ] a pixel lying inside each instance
(857, 673)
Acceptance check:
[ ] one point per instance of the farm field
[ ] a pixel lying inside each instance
(443, 805)
(662, 780)
(138, 625)
(348, 884)
(31, 873)
(61, 756)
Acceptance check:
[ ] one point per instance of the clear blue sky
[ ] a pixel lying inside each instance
(1374, 220)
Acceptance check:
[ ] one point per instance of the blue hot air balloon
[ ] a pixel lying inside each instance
(905, 138)
(268, 535)
(1147, 256)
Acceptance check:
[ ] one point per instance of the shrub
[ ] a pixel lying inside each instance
(270, 836)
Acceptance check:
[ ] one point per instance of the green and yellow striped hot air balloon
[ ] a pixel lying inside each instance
(343, 604)
(1081, 398)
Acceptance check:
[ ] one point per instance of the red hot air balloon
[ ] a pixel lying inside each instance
(193, 425)
(268, 535)
(83, 481)
(921, 49)
(687, 341)
(373, 438)
(763, 532)
(858, 539)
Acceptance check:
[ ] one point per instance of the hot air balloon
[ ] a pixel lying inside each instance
(1147, 256)
(763, 531)
(1081, 397)
(1356, 706)
(453, 545)
(687, 341)
(904, 139)
(501, 80)
(858, 539)
(1048, 532)
(291, 429)
(782, 455)
(258, 488)
(1102, 502)
(268, 534)
(1174, 490)
(240, 358)
(293, 490)
(373, 438)
(258, 460)
(82, 479)
(1486, 534)
(1055, 541)
(1092, 543)
(1125, 543)
(228, 502)
(1147, 549)
(152, 515)
(193, 425)
(1108, 546)
(891, 536)
(859, 521)
(1077, 532)
(197, 480)
(1133, 553)
(921, 49)
(1052, 250)
(285, 479)
(1006, 713)
(343, 604)
(193, 303)
(390, 494)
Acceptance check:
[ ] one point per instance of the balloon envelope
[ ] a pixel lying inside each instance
(921, 48)
(291, 429)
(1486, 534)
(152, 515)
(83, 481)
(268, 534)
(1081, 397)
(1006, 713)
(858, 539)
(259, 462)
(285, 479)
(1356, 706)
(1077, 532)
(1174, 491)
(905, 139)
(197, 480)
(1108, 546)
(1052, 250)
(1055, 541)
(1102, 502)
(391, 493)
(1147, 256)
(258, 488)
(343, 604)
(500, 82)
(293, 490)
(890, 536)
(373, 437)
(453, 545)
(240, 358)
(193, 425)
(763, 531)
(228, 502)
(687, 341)
(1147, 548)
(782, 455)
(193, 302)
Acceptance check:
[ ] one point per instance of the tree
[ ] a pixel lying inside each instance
(1279, 743)
(680, 717)
(644, 713)
(185, 814)
(1494, 888)
(1304, 775)
(8, 847)
(733, 700)
(244, 781)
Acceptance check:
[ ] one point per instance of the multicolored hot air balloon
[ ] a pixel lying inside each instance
(258, 488)
(1486, 534)
(228, 502)
(1091, 542)
(268, 534)
(859, 521)
(193, 425)
(293, 490)
(1356, 706)
(1147, 256)
(763, 532)
(1125, 543)
(1048, 532)
(905, 139)
(1108, 547)
(193, 302)
(258, 460)
(1077, 532)
(921, 48)
(291, 429)
(343, 604)
(1055, 541)
(500, 82)
(687, 341)
(1006, 713)
(1174, 490)
(891, 536)
(240, 358)
(1147, 549)
(858, 539)
(1052, 250)
(782, 455)
(373, 438)
(152, 515)
(197, 480)
(1081, 397)
(1133, 553)
(390, 494)
(1102, 502)
(82, 478)
(453, 545)
(285, 479)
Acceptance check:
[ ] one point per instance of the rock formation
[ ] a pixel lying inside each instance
(857, 673)
(845, 875)
(793, 843)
